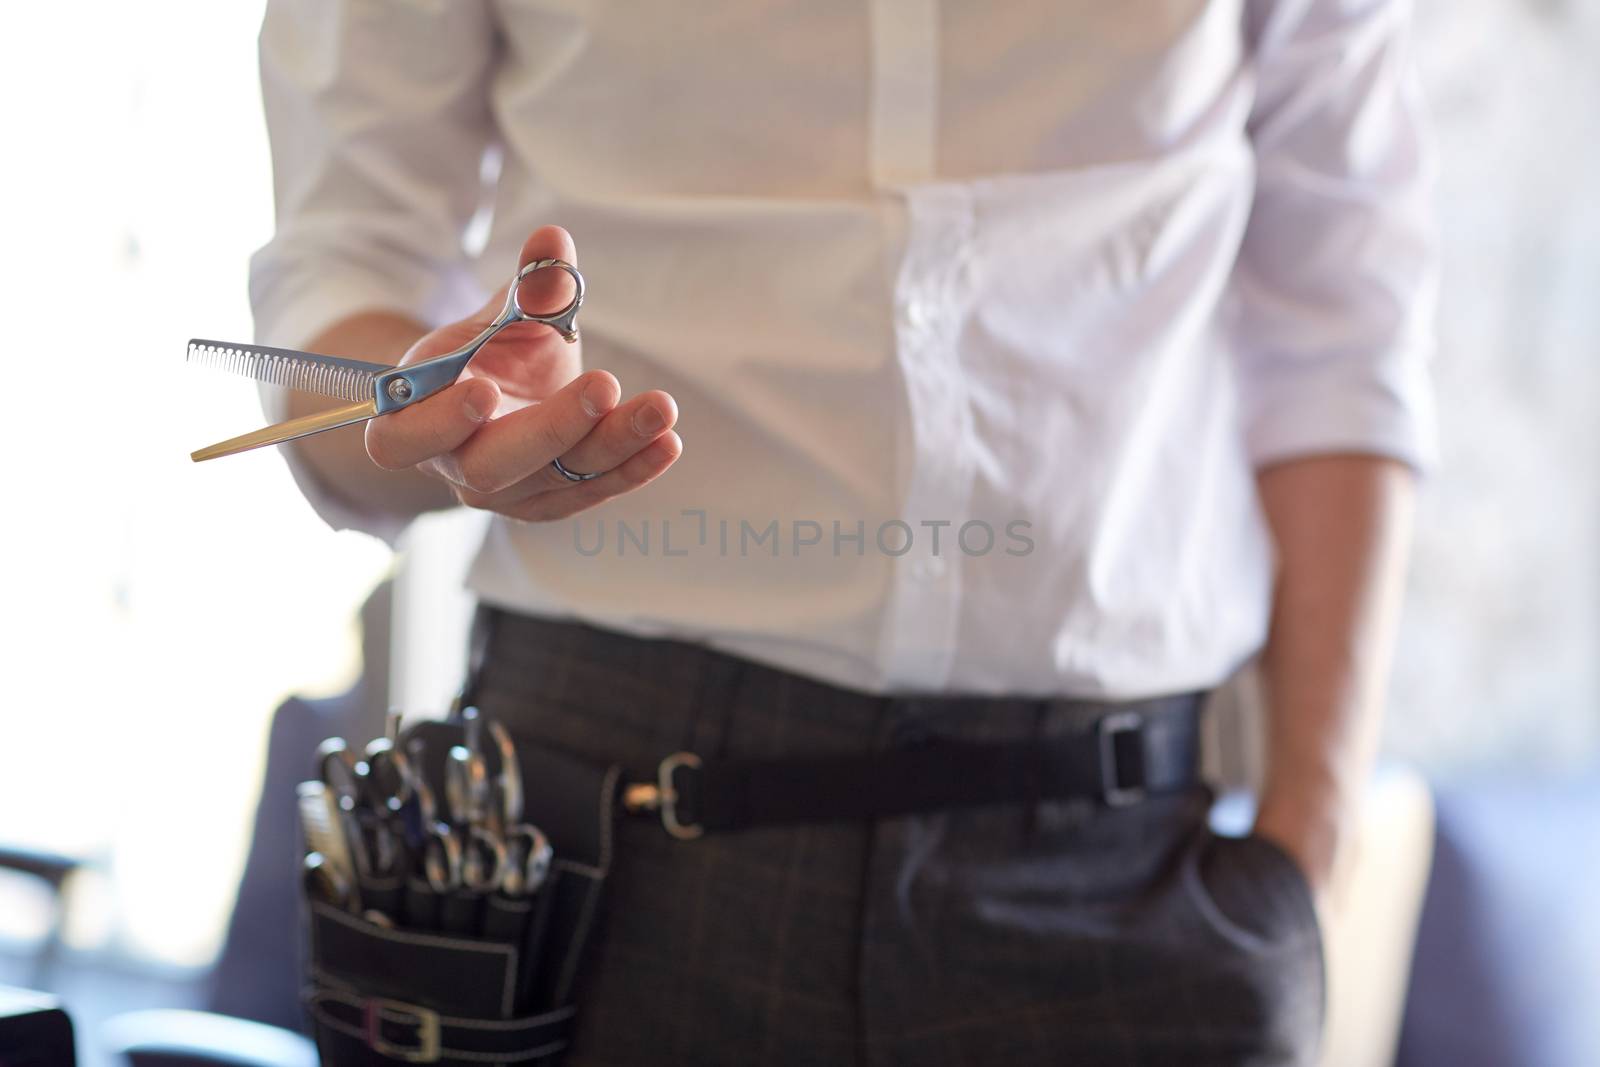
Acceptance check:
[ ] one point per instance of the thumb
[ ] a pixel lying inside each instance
(540, 293)
(543, 292)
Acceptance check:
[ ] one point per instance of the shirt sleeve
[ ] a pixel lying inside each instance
(378, 116)
(1334, 289)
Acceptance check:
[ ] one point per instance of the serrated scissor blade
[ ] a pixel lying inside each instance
(335, 376)
(304, 426)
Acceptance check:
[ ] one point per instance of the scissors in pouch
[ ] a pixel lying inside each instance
(500, 850)
(376, 388)
(528, 851)
(468, 791)
(436, 843)
(367, 816)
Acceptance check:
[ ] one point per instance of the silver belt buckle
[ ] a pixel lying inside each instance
(662, 796)
(1116, 794)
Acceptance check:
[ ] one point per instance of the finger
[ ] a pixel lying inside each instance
(615, 440)
(542, 292)
(620, 434)
(538, 288)
(545, 292)
(530, 358)
(440, 424)
(643, 468)
(548, 242)
(508, 449)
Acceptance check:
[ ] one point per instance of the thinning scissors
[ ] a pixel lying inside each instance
(377, 388)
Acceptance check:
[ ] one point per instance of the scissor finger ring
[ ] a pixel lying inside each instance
(442, 859)
(561, 321)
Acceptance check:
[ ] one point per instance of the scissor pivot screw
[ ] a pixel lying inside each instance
(400, 390)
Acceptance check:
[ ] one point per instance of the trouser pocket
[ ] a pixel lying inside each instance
(1263, 967)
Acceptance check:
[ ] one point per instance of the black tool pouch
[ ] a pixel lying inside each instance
(471, 978)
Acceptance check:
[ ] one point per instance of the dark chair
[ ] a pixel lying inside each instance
(53, 869)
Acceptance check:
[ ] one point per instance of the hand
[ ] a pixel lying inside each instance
(1310, 831)
(524, 401)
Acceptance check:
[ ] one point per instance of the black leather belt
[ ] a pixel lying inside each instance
(1125, 755)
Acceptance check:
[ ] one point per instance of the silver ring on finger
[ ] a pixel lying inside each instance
(573, 476)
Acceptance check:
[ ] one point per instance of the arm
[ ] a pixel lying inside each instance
(487, 441)
(1342, 528)
(1334, 292)
(379, 118)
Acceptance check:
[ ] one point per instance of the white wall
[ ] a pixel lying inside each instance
(1500, 657)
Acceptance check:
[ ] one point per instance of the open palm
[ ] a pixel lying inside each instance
(524, 402)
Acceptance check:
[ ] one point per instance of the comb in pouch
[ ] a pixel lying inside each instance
(343, 379)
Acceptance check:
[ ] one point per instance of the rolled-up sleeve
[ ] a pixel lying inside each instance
(379, 119)
(1334, 289)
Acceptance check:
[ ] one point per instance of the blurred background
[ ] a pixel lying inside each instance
(157, 612)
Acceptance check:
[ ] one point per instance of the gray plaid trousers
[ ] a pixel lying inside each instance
(1056, 933)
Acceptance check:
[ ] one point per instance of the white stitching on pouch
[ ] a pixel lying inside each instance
(508, 988)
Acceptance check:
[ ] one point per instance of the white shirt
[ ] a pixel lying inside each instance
(1073, 271)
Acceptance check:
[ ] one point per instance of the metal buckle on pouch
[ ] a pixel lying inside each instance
(379, 1011)
(662, 795)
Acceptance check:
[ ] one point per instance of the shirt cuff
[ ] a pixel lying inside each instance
(1388, 414)
(290, 311)
(292, 320)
